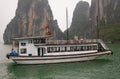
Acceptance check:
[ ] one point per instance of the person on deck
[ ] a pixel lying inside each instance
(13, 53)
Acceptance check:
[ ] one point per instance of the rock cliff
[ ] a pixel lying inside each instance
(109, 11)
(108, 20)
(80, 20)
(30, 20)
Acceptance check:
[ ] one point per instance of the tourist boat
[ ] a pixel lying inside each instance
(42, 50)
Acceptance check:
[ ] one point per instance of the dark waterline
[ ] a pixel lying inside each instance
(106, 67)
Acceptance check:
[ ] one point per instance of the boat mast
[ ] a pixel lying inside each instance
(67, 24)
(98, 18)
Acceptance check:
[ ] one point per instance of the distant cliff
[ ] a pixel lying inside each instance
(104, 13)
(109, 11)
(30, 20)
(108, 20)
(113, 11)
(80, 20)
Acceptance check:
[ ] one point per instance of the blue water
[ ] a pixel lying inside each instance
(106, 67)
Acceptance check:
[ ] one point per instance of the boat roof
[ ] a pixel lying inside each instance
(32, 37)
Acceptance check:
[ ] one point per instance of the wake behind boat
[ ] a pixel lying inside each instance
(42, 50)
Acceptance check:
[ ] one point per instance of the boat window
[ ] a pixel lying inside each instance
(48, 49)
(75, 48)
(58, 49)
(65, 48)
(54, 49)
(88, 47)
(84, 48)
(94, 47)
(23, 44)
(30, 41)
(38, 41)
(70, 48)
(61, 49)
(51, 49)
(81, 48)
(23, 51)
(42, 40)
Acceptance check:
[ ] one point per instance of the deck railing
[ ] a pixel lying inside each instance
(72, 41)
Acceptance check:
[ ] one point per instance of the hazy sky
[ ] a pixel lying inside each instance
(8, 8)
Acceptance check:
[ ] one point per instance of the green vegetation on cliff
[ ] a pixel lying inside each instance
(110, 32)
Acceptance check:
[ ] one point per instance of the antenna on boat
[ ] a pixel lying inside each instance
(67, 24)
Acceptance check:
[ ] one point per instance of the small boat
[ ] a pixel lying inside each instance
(42, 50)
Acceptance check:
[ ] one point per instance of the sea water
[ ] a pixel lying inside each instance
(106, 67)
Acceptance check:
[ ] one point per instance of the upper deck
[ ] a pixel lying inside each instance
(47, 40)
(42, 40)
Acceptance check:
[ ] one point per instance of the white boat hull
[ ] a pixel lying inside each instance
(56, 59)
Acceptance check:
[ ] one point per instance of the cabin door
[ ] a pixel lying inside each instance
(41, 51)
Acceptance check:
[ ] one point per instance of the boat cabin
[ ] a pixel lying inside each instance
(26, 46)
(41, 46)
